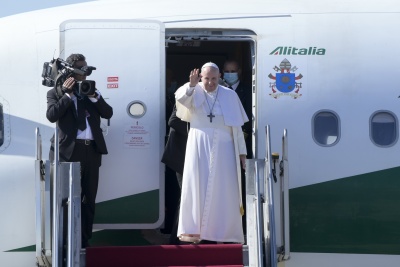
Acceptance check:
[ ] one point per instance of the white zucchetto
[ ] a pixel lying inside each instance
(210, 64)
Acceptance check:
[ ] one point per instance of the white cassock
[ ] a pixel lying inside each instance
(211, 203)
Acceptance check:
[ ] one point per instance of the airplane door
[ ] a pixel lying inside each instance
(130, 59)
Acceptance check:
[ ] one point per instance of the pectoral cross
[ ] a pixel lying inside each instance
(211, 116)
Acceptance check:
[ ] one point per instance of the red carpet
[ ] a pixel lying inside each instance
(171, 256)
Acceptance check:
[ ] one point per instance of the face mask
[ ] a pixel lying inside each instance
(231, 78)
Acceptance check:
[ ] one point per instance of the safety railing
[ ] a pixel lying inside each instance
(269, 206)
(254, 217)
(284, 252)
(268, 244)
(58, 210)
(42, 244)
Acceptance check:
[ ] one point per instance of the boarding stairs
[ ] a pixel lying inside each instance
(58, 210)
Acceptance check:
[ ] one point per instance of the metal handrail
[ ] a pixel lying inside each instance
(38, 188)
(74, 215)
(259, 200)
(285, 254)
(270, 202)
(55, 257)
(65, 184)
(38, 139)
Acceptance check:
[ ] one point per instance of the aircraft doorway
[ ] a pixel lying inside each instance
(187, 50)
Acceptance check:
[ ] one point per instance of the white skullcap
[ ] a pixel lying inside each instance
(210, 64)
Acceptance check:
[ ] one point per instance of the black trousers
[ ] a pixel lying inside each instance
(90, 163)
(174, 240)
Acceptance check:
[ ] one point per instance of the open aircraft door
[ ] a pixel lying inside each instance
(130, 59)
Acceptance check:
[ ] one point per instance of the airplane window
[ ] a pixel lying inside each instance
(136, 109)
(326, 128)
(1, 126)
(383, 128)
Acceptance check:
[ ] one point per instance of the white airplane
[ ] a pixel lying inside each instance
(325, 73)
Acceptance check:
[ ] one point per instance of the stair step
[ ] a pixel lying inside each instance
(166, 255)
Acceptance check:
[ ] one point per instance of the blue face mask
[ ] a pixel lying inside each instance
(231, 77)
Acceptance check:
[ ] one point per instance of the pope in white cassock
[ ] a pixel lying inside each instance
(211, 202)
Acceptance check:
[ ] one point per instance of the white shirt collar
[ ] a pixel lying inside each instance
(234, 86)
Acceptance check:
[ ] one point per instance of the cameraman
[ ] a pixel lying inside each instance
(80, 136)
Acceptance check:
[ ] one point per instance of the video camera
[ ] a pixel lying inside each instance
(58, 70)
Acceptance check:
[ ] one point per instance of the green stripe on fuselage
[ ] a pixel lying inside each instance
(358, 214)
(24, 249)
(140, 208)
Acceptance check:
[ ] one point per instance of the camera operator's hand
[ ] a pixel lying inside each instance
(68, 85)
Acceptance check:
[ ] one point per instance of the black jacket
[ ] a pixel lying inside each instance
(244, 93)
(63, 110)
(175, 149)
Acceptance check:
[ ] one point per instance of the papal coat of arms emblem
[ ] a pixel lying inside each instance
(285, 83)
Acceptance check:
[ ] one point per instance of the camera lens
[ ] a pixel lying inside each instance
(84, 88)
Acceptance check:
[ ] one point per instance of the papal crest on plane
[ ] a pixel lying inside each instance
(285, 81)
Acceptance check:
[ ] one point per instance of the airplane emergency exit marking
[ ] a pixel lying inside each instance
(112, 82)
(136, 136)
(112, 79)
(112, 85)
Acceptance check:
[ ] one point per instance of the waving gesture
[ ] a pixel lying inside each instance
(194, 77)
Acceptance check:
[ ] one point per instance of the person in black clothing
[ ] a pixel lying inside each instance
(80, 136)
(232, 77)
(170, 86)
(174, 158)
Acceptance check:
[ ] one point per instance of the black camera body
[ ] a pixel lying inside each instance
(86, 87)
(56, 71)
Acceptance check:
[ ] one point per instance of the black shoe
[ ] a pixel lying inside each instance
(185, 243)
(85, 244)
(174, 241)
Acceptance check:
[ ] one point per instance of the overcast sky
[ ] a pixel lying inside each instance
(12, 7)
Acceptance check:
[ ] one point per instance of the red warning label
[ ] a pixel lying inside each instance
(112, 79)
